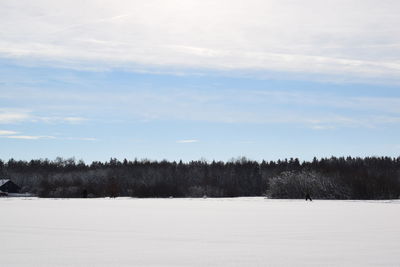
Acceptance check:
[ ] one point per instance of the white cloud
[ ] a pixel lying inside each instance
(59, 119)
(74, 119)
(186, 141)
(322, 127)
(13, 116)
(338, 37)
(29, 137)
(15, 135)
(81, 138)
(6, 132)
(315, 110)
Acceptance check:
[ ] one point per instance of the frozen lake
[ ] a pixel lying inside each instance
(198, 232)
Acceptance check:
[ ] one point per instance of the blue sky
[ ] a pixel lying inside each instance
(178, 81)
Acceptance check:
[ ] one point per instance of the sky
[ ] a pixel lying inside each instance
(186, 79)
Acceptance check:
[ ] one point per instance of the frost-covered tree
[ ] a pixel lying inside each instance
(296, 184)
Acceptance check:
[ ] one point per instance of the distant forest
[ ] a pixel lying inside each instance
(326, 178)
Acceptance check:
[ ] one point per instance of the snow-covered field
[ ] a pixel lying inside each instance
(198, 232)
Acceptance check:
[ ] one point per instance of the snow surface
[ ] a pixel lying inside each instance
(3, 181)
(198, 232)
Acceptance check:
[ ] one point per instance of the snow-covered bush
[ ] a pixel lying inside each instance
(292, 184)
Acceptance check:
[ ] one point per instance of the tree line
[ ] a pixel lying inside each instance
(325, 178)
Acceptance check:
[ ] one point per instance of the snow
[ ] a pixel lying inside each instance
(3, 181)
(198, 232)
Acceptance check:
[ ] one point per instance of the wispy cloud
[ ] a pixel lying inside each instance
(7, 132)
(74, 119)
(28, 137)
(59, 119)
(13, 116)
(322, 127)
(351, 38)
(15, 135)
(186, 141)
(81, 138)
(315, 110)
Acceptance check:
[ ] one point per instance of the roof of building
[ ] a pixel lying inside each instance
(3, 181)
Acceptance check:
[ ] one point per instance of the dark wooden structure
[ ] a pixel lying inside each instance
(8, 186)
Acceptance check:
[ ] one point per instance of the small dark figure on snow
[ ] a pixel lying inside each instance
(84, 193)
(308, 197)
